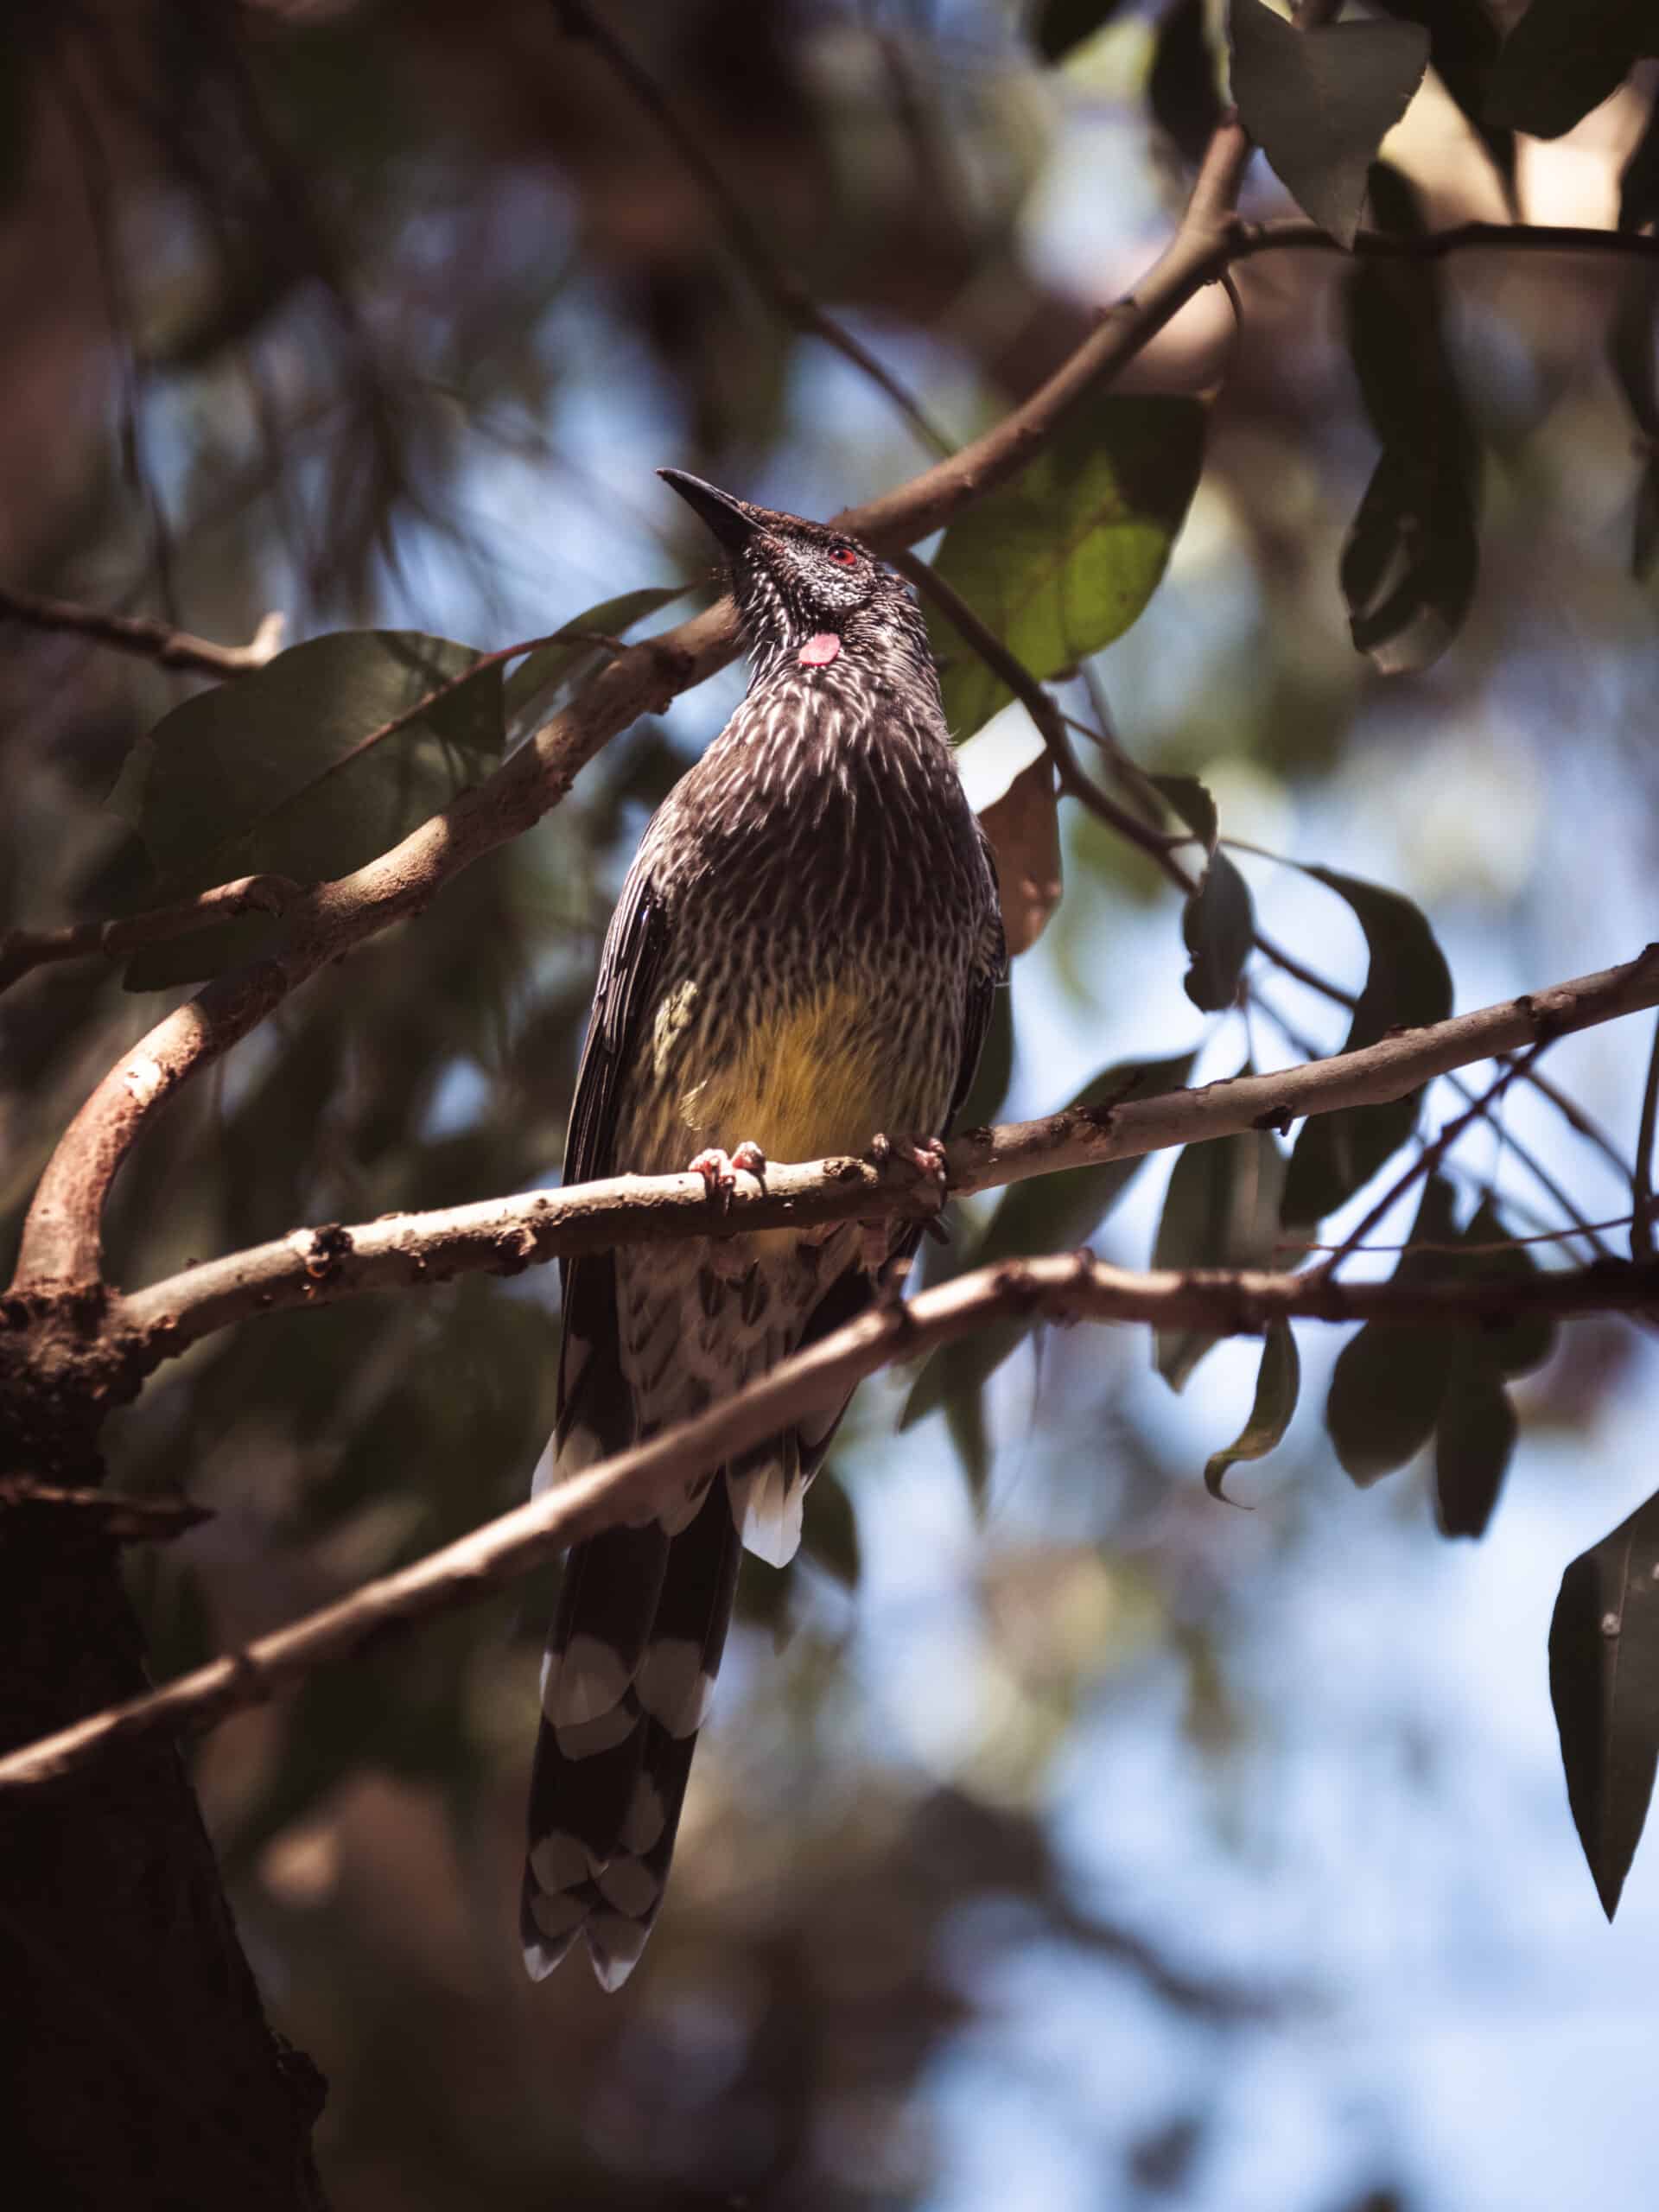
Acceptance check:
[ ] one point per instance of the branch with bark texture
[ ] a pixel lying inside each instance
(1074, 1287)
(142, 634)
(61, 1248)
(316, 1266)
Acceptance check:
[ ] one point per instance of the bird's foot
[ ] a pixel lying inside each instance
(925, 1154)
(719, 1169)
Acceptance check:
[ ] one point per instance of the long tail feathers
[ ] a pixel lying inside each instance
(630, 1671)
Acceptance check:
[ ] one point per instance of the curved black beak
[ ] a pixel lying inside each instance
(729, 519)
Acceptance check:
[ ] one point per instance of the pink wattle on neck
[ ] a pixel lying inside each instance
(818, 651)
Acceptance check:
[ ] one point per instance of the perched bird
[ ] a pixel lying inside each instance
(804, 958)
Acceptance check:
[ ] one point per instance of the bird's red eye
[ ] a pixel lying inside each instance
(843, 557)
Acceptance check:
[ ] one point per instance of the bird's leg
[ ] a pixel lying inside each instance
(719, 1169)
(925, 1154)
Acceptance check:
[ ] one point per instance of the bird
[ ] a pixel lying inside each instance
(802, 961)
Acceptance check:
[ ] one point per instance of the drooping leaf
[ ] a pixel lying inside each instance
(1320, 102)
(1565, 57)
(1062, 560)
(1278, 1384)
(574, 650)
(1192, 801)
(1604, 1683)
(1474, 1438)
(1009, 760)
(1463, 49)
(282, 772)
(1406, 985)
(1409, 565)
(1218, 928)
(1047, 1213)
(829, 1530)
(1638, 183)
(1184, 88)
(1058, 25)
(1516, 1346)
(1221, 1211)
(1389, 1384)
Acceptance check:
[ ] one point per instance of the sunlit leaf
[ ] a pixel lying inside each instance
(1022, 823)
(1058, 25)
(574, 649)
(1278, 1383)
(283, 771)
(1218, 928)
(1564, 57)
(1474, 1438)
(1603, 1683)
(1045, 1213)
(1318, 102)
(1408, 984)
(1062, 560)
(1221, 1211)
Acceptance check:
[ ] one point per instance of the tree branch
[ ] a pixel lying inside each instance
(61, 1246)
(1294, 236)
(502, 1235)
(142, 634)
(637, 1483)
(22, 950)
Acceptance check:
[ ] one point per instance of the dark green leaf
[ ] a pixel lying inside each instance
(1389, 1384)
(1058, 25)
(273, 774)
(1192, 801)
(965, 1415)
(1061, 560)
(573, 649)
(1183, 89)
(1473, 1440)
(1408, 984)
(1318, 102)
(1221, 1211)
(829, 1530)
(1603, 1683)
(1278, 1383)
(1218, 928)
(1047, 1213)
(1507, 1347)
(1409, 565)
(1565, 57)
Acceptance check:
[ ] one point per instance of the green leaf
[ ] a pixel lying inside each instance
(1221, 1211)
(1517, 1346)
(1565, 57)
(829, 1530)
(1389, 1384)
(1218, 928)
(1058, 25)
(1409, 565)
(1406, 985)
(574, 651)
(1061, 560)
(1047, 1213)
(1604, 1683)
(1320, 102)
(282, 771)
(1474, 1438)
(1278, 1384)
(1192, 801)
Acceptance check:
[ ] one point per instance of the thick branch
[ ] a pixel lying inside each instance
(63, 1245)
(500, 1236)
(139, 633)
(636, 1483)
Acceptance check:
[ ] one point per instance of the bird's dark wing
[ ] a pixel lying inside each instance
(592, 1394)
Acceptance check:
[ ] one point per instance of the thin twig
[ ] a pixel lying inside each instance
(778, 286)
(1428, 1244)
(22, 950)
(139, 633)
(636, 1483)
(317, 1267)
(1641, 1179)
(1291, 236)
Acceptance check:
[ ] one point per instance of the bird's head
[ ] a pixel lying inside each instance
(805, 593)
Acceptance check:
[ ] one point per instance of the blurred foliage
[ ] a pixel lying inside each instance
(382, 318)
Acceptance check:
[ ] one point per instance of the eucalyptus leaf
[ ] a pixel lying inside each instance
(1604, 1683)
(1221, 1211)
(1464, 43)
(1474, 1438)
(1184, 87)
(573, 649)
(1565, 57)
(1192, 801)
(1057, 26)
(1218, 928)
(1062, 560)
(1389, 1384)
(1278, 1385)
(829, 1529)
(1407, 986)
(1320, 101)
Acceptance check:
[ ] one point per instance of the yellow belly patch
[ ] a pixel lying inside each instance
(805, 1081)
